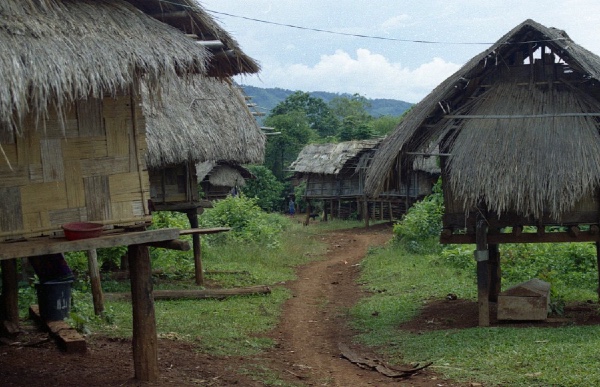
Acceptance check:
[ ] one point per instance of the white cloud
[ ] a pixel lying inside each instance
(369, 74)
(395, 22)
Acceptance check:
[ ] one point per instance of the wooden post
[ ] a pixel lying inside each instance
(97, 295)
(145, 351)
(196, 242)
(10, 291)
(366, 212)
(598, 264)
(308, 209)
(325, 211)
(483, 286)
(391, 210)
(495, 272)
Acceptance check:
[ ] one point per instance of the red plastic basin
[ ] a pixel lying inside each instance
(82, 230)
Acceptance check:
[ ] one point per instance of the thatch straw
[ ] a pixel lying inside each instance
(57, 51)
(226, 176)
(330, 159)
(203, 119)
(193, 19)
(530, 165)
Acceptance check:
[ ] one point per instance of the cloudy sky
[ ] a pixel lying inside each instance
(393, 65)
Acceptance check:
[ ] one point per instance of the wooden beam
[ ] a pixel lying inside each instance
(550, 237)
(145, 341)
(213, 230)
(196, 293)
(175, 244)
(47, 245)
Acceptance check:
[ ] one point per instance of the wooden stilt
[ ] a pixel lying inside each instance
(10, 291)
(94, 270)
(483, 286)
(308, 209)
(495, 272)
(196, 242)
(366, 212)
(325, 209)
(598, 264)
(145, 351)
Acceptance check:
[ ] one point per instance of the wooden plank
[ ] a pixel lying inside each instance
(192, 294)
(97, 197)
(212, 230)
(175, 244)
(11, 217)
(144, 342)
(45, 245)
(89, 117)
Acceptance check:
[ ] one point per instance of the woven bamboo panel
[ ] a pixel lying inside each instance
(87, 166)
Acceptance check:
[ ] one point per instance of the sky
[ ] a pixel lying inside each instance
(393, 65)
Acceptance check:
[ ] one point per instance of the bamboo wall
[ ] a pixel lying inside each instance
(91, 168)
(175, 184)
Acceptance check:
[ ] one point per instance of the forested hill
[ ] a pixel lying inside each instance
(267, 99)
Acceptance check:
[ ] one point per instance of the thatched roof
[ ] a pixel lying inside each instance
(223, 174)
(528, 147)
(330, 159)
(206, 120)
(187, 15)
(57, 51)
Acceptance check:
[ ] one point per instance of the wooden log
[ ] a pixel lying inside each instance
(10, 291)
(495, 272)
(145, 350)
(96, 286)
(366, 214)
(195, 293)
(212, 230)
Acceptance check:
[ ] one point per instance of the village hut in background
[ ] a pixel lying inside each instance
(73, 133)
(223, 178)
(335, 174)
(518, 136)
(205, 122)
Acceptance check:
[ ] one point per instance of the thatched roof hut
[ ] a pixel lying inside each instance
(517, 126)
(518, 136)
(336, 171)
(206, 120)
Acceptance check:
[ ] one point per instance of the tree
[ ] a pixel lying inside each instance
(385, 124)
(282, 149)
(265, 187)
(318, 114)
(356, 106)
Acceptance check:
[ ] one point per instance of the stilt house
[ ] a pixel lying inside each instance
(219, 179)
(73, 133)
(335, 174)
(204, 122)
(518, 135)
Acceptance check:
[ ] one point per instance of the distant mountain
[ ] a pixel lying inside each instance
(267, 99)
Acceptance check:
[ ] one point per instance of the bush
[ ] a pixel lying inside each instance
(248, 222)
(420, 227)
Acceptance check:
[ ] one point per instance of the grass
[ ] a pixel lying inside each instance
(401, 283)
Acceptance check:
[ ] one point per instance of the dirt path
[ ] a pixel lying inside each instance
(314, 320)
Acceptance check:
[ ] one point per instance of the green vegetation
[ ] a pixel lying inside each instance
(405, 275)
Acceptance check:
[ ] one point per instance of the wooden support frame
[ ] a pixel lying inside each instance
(483, 274)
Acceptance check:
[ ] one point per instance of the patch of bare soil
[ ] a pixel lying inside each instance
(307, 353)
